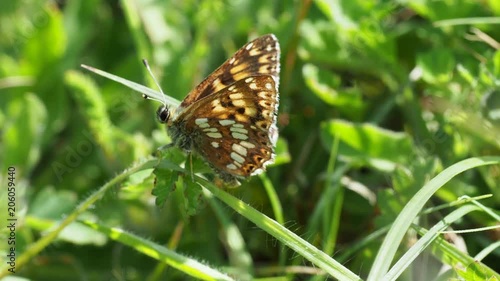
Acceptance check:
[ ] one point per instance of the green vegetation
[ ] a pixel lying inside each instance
(388, 161)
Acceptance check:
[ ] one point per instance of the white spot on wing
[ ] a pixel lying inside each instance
(247, 144)
(249, 46)
(239, 149)
(238, 130)
(215, 144)
(210, 130)
(231, 167)
(226, 122)
(216, 81)
(238, 158)
(200, 121)
(256, 172)
(239, 136)
(215, 135)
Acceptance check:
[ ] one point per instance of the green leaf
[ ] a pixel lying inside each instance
(411, 210)
(490, 104)
(118, 146)
(282, 153)
(367, 144)
(427, 239)
(74, 233)
(327, 87)
(390, 207)
(47, 43)
(192, 193)
(185, 264)
(155, 95)
(52, 204)
(496, 64)
(164, 184)
(437, 65)
(22, 133)
(287, 237)
(170, 178)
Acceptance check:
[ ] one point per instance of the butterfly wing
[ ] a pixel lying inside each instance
(258, 57)
(235, 129)
(230, 117)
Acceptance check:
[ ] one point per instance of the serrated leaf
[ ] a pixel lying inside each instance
(192, 192)
(164, 184)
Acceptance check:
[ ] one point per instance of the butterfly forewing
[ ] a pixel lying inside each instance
(258, 57)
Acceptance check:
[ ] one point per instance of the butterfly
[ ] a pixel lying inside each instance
(229, 119)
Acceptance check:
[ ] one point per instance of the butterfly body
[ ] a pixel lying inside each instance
(229, 119)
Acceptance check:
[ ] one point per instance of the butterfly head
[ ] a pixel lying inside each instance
(163, 114)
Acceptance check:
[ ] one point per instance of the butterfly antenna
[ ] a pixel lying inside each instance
(146, 64)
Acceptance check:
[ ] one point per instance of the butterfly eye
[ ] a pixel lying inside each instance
(163, 114)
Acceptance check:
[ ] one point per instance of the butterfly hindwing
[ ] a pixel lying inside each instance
(235, 128)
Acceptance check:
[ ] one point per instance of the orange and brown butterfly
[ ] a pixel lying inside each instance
(229, 119)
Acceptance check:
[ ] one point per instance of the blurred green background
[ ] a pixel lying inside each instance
(393, 91)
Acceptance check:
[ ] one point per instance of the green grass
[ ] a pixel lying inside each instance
(387, 163)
